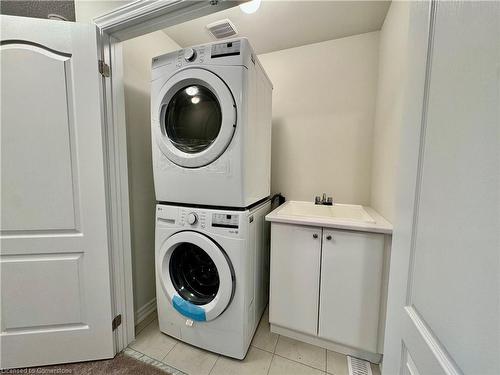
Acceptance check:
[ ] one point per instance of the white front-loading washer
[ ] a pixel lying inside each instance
(211, 125)
(212, 272)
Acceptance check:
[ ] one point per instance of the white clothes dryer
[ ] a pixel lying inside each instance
(211, 125)
(212, 275)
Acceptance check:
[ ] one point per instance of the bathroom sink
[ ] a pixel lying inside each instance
(342, 216)
(350, 212)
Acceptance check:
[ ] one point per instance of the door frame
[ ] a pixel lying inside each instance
(420, 37)
(129, 21)
(421, 33)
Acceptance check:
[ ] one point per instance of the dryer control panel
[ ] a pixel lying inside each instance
(235, 52)
(226, 49)
(191, 55)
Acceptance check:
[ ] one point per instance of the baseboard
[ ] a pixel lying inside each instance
(314, 340)
(144, 311)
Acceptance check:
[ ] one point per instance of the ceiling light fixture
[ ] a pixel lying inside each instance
(250, 6)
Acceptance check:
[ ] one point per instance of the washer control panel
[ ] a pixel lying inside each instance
(228, 223)
(189, 54)
(224, 220)
(193, 218)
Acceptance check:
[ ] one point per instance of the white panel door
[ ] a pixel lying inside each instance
(351, 285)
(55, 276)
(444, 292)
(295, 270)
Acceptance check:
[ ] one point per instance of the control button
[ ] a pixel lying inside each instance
(189, 54)
(192, 218)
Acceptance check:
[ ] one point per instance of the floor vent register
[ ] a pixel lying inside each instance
(358, 366)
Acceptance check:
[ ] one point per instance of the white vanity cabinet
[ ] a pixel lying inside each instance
(326, 285)
(350, 288)
(294, 277)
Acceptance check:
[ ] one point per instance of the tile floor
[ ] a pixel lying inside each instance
(269, 354)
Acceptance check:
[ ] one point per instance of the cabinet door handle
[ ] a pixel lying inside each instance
(328, 237)
(315, 235)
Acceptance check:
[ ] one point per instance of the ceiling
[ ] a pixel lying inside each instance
(285, 24)
(39, 9)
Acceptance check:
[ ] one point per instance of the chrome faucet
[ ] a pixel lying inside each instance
(326, 201)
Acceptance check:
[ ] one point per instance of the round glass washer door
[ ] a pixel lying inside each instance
(195, 118)
(196, 275)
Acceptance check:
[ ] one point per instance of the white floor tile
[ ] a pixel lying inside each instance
(147, 321)
(302, 352)
(283, 366)
(152, 342)
(256, 362)
(191, 360)
(336, 363)
(264, 339)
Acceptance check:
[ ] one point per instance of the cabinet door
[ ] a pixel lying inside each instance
(351, 280)
(295, 269)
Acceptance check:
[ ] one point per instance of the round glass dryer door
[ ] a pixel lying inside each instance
(196, 118)
(196, 275)
(192, 119)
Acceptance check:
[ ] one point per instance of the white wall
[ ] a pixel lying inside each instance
(389, 107)
(137, 55)
(323, 110)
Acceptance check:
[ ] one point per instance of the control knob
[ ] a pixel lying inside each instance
(189, 54)
(192, 218)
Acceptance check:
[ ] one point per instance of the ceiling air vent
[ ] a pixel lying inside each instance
(222, 29)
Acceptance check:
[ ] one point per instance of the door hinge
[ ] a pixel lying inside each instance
(103, 68)
(117, 321)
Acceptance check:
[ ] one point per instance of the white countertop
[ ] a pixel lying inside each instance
(282, 214)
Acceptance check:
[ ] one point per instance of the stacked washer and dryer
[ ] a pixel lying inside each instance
(211, 146)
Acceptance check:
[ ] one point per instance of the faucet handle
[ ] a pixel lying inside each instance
(317, 200)
(329, 201)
